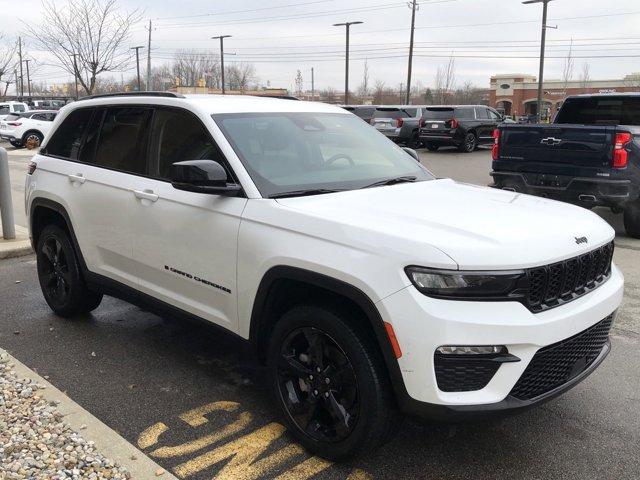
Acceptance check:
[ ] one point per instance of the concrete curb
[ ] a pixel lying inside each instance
(16, 248)
(107, 441)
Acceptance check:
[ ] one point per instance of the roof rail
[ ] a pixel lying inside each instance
(134, 94)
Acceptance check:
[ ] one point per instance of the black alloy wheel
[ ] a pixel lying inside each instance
(62, 283)
(470, 143)
(317, 384)
(55, 277)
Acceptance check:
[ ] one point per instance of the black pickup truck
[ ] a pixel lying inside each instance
(589, 155)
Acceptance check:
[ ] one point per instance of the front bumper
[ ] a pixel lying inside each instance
(422, 324)
(583, 191)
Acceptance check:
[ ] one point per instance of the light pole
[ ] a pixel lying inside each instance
(413, 5)
(137, 49)
(542, 45)
(221, 37)
(347, 26)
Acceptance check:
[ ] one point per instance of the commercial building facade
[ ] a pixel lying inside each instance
(516, 94)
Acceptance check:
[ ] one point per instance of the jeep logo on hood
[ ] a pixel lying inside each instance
(580, 240)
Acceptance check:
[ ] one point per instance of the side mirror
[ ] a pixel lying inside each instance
(202, 176)
(412, 152)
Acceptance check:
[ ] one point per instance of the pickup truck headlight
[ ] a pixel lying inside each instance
(469, 285)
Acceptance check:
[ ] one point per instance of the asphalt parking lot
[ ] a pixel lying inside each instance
(196, 401)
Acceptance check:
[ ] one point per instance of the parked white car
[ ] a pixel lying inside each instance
(369, 287)
(7, 108)
(27, 129)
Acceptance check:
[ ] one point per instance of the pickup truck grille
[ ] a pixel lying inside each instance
(561, 282)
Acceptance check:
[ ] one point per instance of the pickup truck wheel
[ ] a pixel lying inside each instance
(432, 147)
(470, 143)
(632, 219)
(330, 383)
(60, 277)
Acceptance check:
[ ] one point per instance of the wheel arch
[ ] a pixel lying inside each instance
(31, 130)
(270, 301)
(44, 211)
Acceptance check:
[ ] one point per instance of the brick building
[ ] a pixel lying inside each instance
(517, 94)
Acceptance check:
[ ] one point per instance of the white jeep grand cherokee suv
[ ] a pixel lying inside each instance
(368, 286)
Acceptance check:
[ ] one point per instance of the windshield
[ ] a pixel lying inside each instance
(290, 152)
(600, 111)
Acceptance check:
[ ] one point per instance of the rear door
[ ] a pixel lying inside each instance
(185, 245)
(107, 149)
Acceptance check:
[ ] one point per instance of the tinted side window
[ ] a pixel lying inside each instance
(4, 109)
(178, 136)
(465, 112)
(481, 113)
(495, 116)
(123, 139)
(39, 116)
(67, 138)
(88, 151)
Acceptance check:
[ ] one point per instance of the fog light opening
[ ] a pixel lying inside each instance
(472, 350)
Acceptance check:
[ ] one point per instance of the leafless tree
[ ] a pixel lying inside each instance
(567, 69)
(329, 95)
(632, 80)
(299, 84)
(8, 61)
(240, 76)
(445, 82)
(363, 90)
(190, 67)
(87, 37)
(585, 75)
(468, 94)
(378, 92)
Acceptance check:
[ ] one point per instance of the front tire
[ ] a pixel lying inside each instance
(330, 383)
(15, 144)
(60, 277)
(632, 218)
(470, 143)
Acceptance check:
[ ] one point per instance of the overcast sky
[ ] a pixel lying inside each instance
(282, 36)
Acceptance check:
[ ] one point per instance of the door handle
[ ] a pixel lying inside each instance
(77, 178)
(146, 195)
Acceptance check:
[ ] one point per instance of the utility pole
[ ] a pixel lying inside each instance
(542, 47)
(137, 49)
(15, 76)
(313, 86)
(28, 78)
(149, 59)
(21, 76)
(221, 37)
(75, 72)
(347, 26)
(414, 6)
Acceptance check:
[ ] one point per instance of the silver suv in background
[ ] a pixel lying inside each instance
(399, 123)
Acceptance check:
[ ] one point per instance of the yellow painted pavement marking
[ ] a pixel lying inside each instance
(196, 417)
(151, 435)
(195, 445)
(306, 469)
(358, 474)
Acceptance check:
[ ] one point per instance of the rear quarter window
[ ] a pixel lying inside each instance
(67, 139)
(466, 113)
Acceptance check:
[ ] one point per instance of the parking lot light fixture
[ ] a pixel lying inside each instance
(221, 37)
(347, 26)
(544, 3)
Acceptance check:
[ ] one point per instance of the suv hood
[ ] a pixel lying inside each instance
(477, 227)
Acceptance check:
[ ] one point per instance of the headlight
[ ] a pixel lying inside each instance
(469, 285)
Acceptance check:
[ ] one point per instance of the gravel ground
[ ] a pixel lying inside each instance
(34, 441)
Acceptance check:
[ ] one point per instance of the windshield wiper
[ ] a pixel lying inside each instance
(304, 193)
(393, 181)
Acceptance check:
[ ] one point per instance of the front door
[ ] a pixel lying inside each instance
(185, 243)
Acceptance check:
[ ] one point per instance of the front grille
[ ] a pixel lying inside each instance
(456, 374)
(556, 364)
(558, 283)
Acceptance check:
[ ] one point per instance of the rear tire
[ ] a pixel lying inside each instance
(470, 143)
(32, 140)
(432, 147)
(15, 144)
(415, 141)
(632, 218)
(330, 383)
(60, 277)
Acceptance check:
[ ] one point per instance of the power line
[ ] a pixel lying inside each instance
(274, 7)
